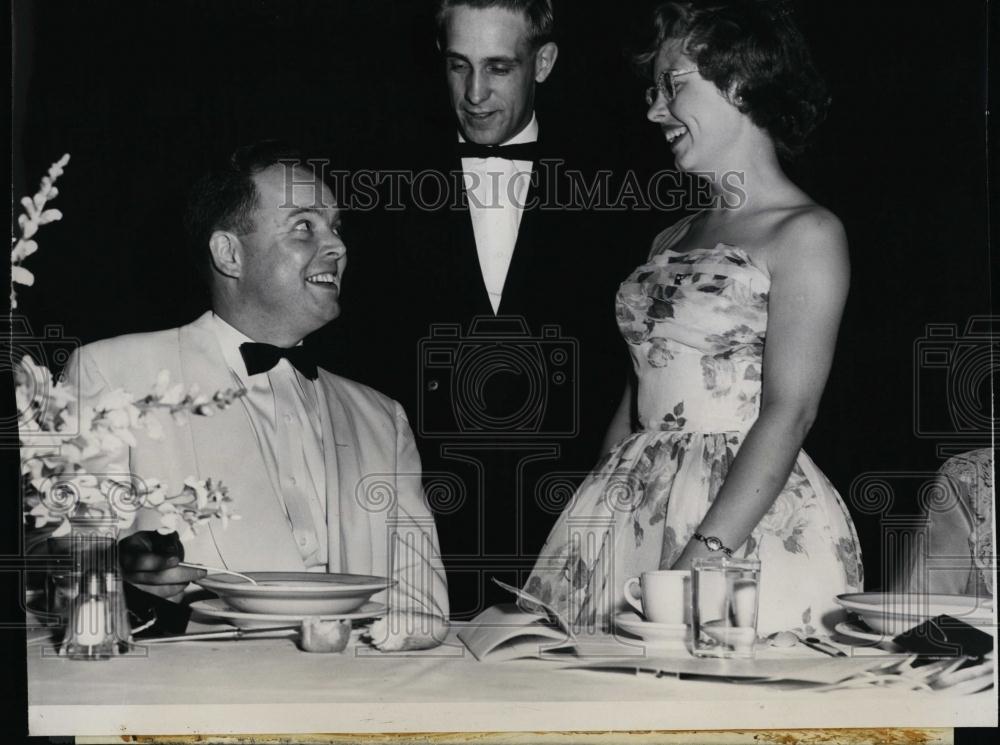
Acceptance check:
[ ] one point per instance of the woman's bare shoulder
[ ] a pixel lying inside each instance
(808, 234)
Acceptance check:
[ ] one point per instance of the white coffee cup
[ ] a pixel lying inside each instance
(663, 596)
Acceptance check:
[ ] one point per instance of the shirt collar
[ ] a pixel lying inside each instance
(230, 338)
(528, 134)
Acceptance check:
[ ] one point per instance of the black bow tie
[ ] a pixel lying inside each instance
(262, 357)
(524, 151)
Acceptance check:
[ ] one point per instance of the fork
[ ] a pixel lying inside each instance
(217, 570)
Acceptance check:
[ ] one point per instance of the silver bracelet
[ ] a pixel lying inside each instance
(713, 543)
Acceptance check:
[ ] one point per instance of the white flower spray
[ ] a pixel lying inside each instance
(35, 215)
(61, 437)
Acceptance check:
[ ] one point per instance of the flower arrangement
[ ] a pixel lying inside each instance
(74, 453)
(35, 215)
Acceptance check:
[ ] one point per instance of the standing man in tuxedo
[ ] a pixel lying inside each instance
(495, 325)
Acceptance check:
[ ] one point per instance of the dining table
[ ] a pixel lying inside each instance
(269, 685)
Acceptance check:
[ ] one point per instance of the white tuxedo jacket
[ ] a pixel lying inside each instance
(378, 520)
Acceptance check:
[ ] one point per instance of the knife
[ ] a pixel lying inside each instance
(821, 646)
(216, 635)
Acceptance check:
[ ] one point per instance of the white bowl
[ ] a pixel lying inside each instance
(296, 593)
(895, 613)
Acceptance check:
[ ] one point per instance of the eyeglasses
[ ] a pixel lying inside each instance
(665, 85)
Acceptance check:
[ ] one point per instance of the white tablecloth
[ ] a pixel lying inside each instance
(268, 685)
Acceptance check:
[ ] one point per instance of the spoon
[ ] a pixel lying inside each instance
(217, 570)
(790, 639)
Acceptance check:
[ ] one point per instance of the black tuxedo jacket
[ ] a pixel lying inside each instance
(509, 409)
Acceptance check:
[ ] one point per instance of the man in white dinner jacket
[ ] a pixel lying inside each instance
(324, 472)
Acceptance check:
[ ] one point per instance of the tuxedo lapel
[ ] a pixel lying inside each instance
(226, 448)
(353, 536)
(517, 285)
(469, 274)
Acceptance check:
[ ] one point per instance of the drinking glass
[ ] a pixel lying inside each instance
(724, 599)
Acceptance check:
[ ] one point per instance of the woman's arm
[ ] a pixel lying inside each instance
(621, 423)
(809, 280)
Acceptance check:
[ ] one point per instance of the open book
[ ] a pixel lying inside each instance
(506, 632)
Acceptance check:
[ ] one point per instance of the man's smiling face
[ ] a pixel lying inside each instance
(293, 262)
(492, 70)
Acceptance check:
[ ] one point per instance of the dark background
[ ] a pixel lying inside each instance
(143, 93)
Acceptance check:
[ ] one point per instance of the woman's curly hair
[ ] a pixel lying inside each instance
(755, 55)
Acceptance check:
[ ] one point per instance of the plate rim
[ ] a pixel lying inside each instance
(225, 611)
(975, 608)
(214, 583)
(962, 599)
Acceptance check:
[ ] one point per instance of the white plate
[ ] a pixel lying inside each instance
(894, 613)
(660, 634)
(296, 593)
(217, 610)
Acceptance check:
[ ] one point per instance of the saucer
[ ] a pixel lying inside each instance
(660, 634)
(853, 631)
(217, 610)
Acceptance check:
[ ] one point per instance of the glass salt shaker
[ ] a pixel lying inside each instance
(89, 635)
(120, 628)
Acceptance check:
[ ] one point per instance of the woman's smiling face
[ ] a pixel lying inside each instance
(702, 127)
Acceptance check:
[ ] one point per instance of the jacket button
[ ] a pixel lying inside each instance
(432, 385)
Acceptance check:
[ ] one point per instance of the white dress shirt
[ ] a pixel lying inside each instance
(496, 189)
(284, 409)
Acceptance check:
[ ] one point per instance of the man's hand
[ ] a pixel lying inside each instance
(150, 562)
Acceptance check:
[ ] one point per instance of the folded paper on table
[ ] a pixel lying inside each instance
(535, 630)
(507, 632)
(504, 632)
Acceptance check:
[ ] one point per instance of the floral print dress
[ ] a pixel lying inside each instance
(695, 324)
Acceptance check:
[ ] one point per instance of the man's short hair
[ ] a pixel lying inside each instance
(225, 198)
(537, 12)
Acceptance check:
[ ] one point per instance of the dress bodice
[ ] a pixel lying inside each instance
(695, 323)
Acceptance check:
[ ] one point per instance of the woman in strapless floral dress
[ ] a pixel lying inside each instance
(731, 324)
